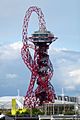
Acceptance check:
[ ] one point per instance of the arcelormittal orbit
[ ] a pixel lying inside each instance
(39, 65)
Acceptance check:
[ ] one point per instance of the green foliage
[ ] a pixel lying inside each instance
(36, 111)
(23, 111)
(27, 111)
(8, 113)
(69, 113)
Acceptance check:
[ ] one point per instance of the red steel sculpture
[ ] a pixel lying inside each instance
(39, 65)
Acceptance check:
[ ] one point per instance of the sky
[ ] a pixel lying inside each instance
(62, 19)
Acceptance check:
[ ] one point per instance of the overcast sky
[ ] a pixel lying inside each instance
(62, 19)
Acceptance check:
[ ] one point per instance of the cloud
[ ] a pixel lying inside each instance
(66, 66)
(70, 87)
(11, 76)
(75, 73)
(10, 51)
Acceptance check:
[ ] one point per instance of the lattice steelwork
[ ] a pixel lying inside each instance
(40, 66)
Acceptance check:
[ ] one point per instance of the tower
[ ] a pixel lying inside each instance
(40, 66)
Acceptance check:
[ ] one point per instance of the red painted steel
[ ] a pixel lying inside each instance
(44, 91)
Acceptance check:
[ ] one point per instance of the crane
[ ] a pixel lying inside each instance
(40, 65)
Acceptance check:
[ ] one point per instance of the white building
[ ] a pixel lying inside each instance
(6, 102)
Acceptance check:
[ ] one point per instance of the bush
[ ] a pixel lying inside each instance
(36, 111)
(22, 112)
